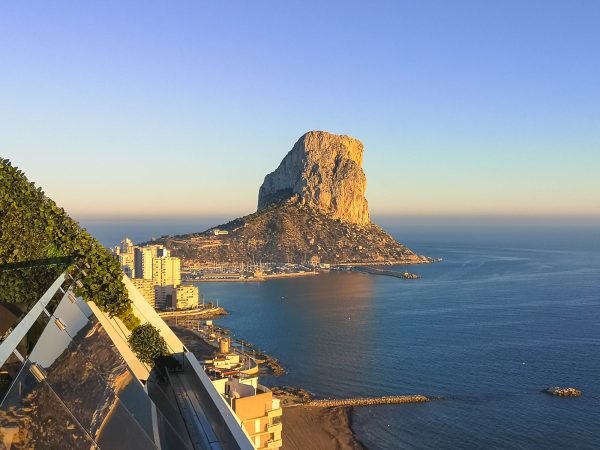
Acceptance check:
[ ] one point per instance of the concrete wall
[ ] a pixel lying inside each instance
(254, 406)
(241, 389)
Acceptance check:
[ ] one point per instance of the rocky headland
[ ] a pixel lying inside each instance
(311, 208)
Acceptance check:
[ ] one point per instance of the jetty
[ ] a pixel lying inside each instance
(389, 273)
(388, 400)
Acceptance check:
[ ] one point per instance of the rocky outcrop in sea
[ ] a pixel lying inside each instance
(311, 209)
(563, 391)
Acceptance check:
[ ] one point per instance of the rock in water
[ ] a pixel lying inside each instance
(324, 172)
(563, 391)
(311, 208)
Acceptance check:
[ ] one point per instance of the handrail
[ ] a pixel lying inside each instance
(20, 331)
(58, 260)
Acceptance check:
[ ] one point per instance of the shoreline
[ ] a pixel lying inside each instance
(325, 423)
(346, 267)
(328, 427)
(253, 280)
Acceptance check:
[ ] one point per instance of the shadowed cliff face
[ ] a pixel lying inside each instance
(324, 172)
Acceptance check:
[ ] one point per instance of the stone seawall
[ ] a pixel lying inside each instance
(389, 273)
(389, 400)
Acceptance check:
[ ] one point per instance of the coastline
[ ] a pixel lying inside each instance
(329, 428)
(347, 266)
(252, 280)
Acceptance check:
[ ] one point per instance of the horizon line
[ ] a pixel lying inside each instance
(226, 217)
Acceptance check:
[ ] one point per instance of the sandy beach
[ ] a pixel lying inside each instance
(304, 427)
(310, 427)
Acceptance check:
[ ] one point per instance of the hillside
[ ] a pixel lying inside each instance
(290, 232)
(312, 206)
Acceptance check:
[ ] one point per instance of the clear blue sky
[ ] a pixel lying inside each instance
(464, 107)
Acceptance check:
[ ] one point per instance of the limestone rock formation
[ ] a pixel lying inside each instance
(325, 172)
(311, 208)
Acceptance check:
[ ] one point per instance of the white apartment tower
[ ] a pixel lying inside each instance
(166, 274)
(143, 262)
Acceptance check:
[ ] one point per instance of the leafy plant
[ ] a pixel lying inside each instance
(33, 227)
(130, 320)
(147, 343)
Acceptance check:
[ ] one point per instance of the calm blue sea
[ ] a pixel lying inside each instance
(510, 311)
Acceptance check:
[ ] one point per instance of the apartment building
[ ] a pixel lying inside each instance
(143, 262)
(184, 296)
(146, 288)
(256, 408)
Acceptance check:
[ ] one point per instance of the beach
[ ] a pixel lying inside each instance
(304, 427)
(310, 427)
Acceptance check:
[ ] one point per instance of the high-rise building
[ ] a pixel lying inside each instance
(146, 288)
(124, 252)
(126, 246)
(143, 262)
(158, 251)
(127, 262)
(162, 252)
(166, 272)
(153, 263)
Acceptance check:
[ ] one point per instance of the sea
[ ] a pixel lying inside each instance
(511, 310)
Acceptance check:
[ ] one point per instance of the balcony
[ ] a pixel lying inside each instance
(275, 427)
(275, 413)
(271, 445)
(274, 444)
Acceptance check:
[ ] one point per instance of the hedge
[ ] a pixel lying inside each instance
(33, 227)
(147, 343)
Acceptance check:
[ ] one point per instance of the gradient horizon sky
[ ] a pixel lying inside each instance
(158, 108)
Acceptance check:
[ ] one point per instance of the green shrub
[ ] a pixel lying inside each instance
(33, 227)
(147, 343)
(129, 319)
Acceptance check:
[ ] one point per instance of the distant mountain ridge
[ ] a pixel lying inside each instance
(312, 206)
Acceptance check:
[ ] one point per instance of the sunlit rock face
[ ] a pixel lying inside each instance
(323, 171)
(311, 208)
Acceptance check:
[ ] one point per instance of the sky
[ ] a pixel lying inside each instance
(182, 107)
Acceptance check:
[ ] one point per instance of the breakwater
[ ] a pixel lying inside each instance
(388, 400)
(389, 273)
(197, 312)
